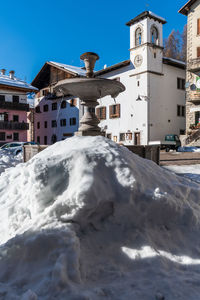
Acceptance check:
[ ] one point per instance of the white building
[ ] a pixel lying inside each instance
(55, 118)
(153, 103)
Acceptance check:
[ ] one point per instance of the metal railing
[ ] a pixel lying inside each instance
(10, 125)
(14, 106)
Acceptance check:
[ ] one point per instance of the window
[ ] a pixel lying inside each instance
(115, 138)
(109, 136)
(101, 113)
(72, 121)
(154, 55)
(2, 98)
(3, 117)
(54, 138)
(63, 104)
(45, 140)
(73, 102)
(180, 110)
(198, 26)
(15, 99)
(138, 36)
(198, 51)
(122, 137)
(138, 83)
(15, 136)
(63, 122)
(45, 107)
(180, 84)
(154, 35)
(182, 131)
(45, 124)
(129, 136)
(53, 123)
(37, 109)
(38, 125)
(15, 118)
(45, 92)
(54, 106)
(114, 111)
(38, 139)
(2, 136)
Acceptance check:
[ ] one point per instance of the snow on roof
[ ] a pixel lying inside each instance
(16, 82)
(77, 70)
(156, 16)
(176, 60)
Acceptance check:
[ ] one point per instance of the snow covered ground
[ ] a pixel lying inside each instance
(86, 219)
(189, 171)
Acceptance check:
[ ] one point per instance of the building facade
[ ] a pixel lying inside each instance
(192, 10)
(55, 118)
(13, 108)
(153, 103)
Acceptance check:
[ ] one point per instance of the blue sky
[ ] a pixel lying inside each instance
(33, 32)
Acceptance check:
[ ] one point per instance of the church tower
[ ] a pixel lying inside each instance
(146, 42)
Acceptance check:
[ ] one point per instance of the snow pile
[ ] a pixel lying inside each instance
(188, 149)
(86, 219)
(8, 160)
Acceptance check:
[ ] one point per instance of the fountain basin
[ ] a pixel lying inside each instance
(89, 88)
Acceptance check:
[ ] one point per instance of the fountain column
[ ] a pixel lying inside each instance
(89, 122)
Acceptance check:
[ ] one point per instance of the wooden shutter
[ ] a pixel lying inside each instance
(118, 110)
(104, 112)
(198, 26)
(98, 112)
(110, 111)
(198, 51)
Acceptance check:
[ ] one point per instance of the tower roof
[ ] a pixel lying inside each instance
(146, 14)
(185, 9)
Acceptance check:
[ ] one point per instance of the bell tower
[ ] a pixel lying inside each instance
(146, 42)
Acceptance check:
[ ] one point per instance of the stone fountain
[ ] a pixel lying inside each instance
(88, 89)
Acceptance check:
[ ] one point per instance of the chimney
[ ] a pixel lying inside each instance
(12, 73)
(3, 71)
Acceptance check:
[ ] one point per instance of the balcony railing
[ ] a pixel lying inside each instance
(194, 97)
(193, 65)
(14, 106)
(10, 125)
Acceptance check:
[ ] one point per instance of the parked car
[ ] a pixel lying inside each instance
(16, 147)
(171, 141)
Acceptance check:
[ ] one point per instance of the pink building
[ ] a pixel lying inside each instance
(13, 108)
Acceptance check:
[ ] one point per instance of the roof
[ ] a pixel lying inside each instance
(174, 62)
(5, 80)
(76, 70)
(185, 9)
(144, 15)
(44, 73)
(113, 67)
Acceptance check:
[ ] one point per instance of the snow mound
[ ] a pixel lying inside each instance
(8, 160)
(87, 219)
(188, 149)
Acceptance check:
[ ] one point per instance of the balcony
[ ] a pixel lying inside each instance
(194, 97)
(6, 125)
(193, 65)
(14, 106)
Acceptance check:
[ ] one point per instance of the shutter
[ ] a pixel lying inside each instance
(98, 112)
(75, 102)
(104, 113)
(110, 111)
(198, 26)
(198, 51)
(118, 110)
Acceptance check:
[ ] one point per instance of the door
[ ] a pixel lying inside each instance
(137, 138)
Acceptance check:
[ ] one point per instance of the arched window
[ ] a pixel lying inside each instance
(138, 36)
(154, 35)
(63, 104)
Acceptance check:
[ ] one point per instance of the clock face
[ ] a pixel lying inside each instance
(198, 83)
(138, 60)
